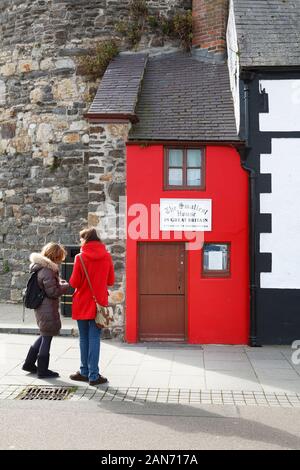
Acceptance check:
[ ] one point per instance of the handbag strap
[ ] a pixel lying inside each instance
(88, 278)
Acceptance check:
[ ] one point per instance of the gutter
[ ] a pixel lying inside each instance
(191, 143)
(252, 225)
(111, 117)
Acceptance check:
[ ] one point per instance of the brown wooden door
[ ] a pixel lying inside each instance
(162, 292)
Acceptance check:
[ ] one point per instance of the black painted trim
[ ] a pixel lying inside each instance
(265, 223)
(276, 319)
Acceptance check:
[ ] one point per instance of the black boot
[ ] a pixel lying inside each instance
(42, 368)
(29, 364)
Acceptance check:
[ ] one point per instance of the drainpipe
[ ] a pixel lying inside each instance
(252, 227)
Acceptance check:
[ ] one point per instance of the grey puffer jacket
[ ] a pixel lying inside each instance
(47, 314)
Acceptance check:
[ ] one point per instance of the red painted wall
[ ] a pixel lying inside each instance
(218, 309)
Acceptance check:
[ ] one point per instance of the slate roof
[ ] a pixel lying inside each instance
(183, 98)
(119, 88)
(268, 32)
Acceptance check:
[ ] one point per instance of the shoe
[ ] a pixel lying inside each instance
(42, 368)
(101, 380)
(30, 368)
(79, 377)
(49, 374)
(29, 364)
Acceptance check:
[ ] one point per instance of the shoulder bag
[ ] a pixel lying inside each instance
(104, 319)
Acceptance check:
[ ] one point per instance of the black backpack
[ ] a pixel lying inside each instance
(33, 294)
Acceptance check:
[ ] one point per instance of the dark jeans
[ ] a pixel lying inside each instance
(42, 345)
(89, 340)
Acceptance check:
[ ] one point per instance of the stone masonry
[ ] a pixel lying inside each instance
(56, 173)
(106, 208)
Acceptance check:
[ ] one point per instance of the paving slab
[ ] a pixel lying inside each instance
(223, 370)
(228, 366)
(227, 356)
(13, 321)
(265, 355)
(274, 364)
(280, 374)
(281, 386)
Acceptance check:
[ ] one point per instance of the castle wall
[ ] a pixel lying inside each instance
(47, 162)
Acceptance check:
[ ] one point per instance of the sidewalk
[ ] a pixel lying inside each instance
(211, 370)
(11, 321)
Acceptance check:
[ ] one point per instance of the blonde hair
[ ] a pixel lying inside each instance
(55, 252)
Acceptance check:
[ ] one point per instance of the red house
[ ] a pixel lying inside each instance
(187, 248)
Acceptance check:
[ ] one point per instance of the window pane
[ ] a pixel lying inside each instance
(194, 158)
(175, 177)
(215, 257)
(194, 177)
(175, 157)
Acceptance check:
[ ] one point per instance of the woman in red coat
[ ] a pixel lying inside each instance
(100, 269)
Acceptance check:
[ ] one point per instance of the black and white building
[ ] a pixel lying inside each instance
(263, 40)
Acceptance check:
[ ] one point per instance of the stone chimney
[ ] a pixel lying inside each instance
(209, 26)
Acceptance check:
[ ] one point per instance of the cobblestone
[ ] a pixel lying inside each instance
(171, 396)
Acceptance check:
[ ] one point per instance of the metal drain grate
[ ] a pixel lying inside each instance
(46, 393)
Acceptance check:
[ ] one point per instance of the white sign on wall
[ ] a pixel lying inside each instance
(215, 260)
(190, 215)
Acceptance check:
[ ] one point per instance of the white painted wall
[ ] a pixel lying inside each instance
(284, 106)
(233, 64)
(284, 205)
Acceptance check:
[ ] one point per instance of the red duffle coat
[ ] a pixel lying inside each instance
(100, 268)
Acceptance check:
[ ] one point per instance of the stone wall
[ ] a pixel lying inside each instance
(53, 171)
(106, 208)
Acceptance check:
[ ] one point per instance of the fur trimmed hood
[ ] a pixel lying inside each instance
(39, 260)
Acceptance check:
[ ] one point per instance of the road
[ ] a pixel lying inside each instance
(129, 426)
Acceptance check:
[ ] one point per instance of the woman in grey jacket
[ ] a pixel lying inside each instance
(47, 314)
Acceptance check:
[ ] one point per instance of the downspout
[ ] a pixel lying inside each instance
(252, 226)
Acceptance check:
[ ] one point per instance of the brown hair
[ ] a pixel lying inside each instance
(89, 235)
(55, 252)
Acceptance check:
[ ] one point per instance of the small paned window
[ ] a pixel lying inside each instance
(184, 168)
(216, 260)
